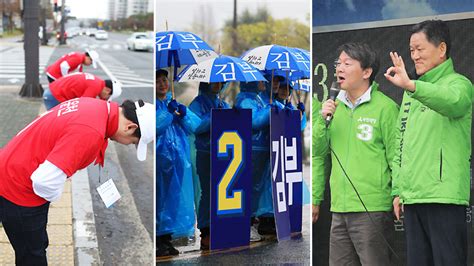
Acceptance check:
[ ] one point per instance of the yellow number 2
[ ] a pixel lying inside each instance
(230, 203)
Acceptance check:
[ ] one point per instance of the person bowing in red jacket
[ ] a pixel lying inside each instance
(77, 85)
(35, 164)
(71, 62)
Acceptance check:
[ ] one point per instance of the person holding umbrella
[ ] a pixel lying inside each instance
(36, 163)
(71, 62)
(202, 105)
(271, 87)
(77, 85)
(226, 69)
(250, 98)
(280, 93)
(282, 96)
(174, 188)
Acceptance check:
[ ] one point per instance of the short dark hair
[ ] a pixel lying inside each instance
(363, 53)
(268, 77)
(436, 31)
(109, 84)
(129, 111)
(161, 72)
(87, 54)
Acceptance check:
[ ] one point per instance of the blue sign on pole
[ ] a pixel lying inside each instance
(287, 171)
(231, 177)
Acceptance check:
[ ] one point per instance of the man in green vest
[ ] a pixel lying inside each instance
(361, 138)
(431, 167)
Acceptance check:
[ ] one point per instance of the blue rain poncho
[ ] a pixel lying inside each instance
(306, 193)
(278, 103)
(202, 106)
(292, 107)
(174, 181)
(249, 98)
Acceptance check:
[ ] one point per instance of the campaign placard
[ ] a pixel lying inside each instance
(287, 172)
(231, 177)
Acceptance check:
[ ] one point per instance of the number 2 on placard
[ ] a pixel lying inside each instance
(230, 201)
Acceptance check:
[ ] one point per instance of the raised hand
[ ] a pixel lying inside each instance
(400, 77)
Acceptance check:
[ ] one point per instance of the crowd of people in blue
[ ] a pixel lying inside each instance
(176, 123)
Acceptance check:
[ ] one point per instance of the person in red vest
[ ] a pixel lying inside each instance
(77, 85)
(35, 164)
(71, 62)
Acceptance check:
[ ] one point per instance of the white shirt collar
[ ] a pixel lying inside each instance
(362, 99)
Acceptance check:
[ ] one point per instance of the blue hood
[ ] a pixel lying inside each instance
(249, 86)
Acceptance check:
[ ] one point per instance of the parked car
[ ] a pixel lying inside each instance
(140, 41)
(101, 35)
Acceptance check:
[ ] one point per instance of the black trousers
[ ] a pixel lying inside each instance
(26, 230)
(436, 234)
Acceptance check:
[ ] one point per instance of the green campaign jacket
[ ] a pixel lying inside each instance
(317, 163)
(433, 139)
(363, 140)
(315, 108)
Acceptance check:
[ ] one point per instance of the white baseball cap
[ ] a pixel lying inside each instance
(116, 89)
(146, 122)
(94, 57)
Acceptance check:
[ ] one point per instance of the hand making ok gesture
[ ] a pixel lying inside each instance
(400, 77)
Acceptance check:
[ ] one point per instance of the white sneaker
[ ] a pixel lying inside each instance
(254, 235)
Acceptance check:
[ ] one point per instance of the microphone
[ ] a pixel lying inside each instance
(333, 92)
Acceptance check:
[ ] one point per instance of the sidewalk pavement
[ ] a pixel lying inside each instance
(71, 231)
(61, 246)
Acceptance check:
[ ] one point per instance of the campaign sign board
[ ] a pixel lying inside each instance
(287, 171)
(231, 177)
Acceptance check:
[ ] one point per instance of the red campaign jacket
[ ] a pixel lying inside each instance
(76, 85)
(71, 136)
(74, 60)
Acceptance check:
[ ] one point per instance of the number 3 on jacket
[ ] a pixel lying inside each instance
(230, 201)
(366, 132)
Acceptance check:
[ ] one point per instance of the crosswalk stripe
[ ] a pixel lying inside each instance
(138, 85)
(17, 72)
(20, 76)
(125, 75)
(136, 79)
(12, 67)
(119, 68)
(17, 66)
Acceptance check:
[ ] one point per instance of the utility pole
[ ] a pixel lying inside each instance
(44, 40)
(62, 39)
(32, 87)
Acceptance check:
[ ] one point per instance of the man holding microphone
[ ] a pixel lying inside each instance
(360, 141)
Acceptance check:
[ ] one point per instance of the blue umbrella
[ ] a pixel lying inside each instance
(276, 57)
(221, 69)
(178, 48)
(280, 60)
(303, 58)
(300, 79)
